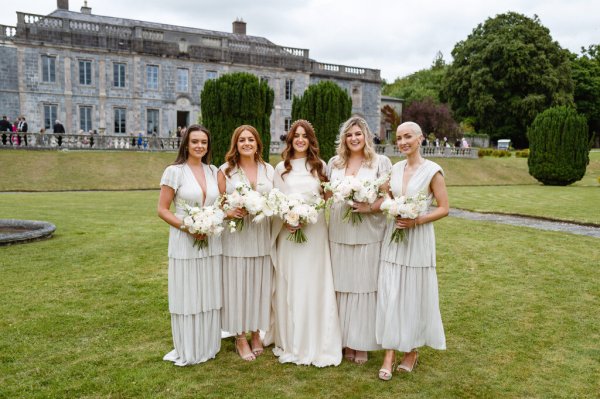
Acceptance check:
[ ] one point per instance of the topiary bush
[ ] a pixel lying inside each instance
(232, 100)
(558, 146)
(326, 106)
(522, 154)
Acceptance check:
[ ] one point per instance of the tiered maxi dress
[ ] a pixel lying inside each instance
(355, 261)
(408, 312)
(194, 274)
(305, 328)
(247, 269)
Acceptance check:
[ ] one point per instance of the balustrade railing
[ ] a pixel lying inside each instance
(59, 141)
(7, 31)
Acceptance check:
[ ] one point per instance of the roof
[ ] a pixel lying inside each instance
(131, 23)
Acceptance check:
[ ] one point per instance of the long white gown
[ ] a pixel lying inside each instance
(194, 274)
(247, 269)
(408, 310)
(355, 261)
(305, 328)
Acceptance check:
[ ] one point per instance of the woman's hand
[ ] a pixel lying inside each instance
(237, 213)
(292, 229)
(405, 223)
(362, 207)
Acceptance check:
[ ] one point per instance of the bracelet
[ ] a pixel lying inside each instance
(182, 227)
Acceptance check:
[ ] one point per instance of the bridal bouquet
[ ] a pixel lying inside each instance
(207, 220)
(297, 212)
(406, 207)
(274, 204)
(243, 196)
(351, 189)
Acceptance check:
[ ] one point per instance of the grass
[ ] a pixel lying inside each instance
(90, 170)
(85, 314)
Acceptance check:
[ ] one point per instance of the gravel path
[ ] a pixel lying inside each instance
(535, 223)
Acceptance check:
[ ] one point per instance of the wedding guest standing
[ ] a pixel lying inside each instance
(408, 312)
(247, 270)
(306, 327)
(194, 274)
(355, 247)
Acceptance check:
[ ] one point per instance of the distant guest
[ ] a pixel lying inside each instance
(58, 127)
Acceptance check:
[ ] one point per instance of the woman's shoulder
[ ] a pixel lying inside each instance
(399, 165)
(433, 167)
(175, 168)
(333, 160)
(280, 167)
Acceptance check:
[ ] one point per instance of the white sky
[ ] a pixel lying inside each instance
(398, 37)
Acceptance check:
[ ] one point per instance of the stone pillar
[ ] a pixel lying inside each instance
(136, 92)
(68, 122)
(21, 76)
(102, 94)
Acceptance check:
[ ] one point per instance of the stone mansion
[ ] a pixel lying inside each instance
(123, 76)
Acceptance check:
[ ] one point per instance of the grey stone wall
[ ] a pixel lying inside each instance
(9, 87)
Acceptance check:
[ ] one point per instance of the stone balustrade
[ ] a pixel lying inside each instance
(59, 141)
(8, 32)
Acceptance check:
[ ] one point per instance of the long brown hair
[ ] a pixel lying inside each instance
(233, 155)
(183, 153)
(313, 159)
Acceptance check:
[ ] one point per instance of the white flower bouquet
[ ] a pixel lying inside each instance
(297, 212)
(406, 207)
(243, 196)
(274, 204)
(350, 190)
(207, 220)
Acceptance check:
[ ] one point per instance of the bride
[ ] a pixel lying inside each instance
(306, 327)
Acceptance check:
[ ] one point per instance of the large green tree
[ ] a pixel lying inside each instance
(326, 105)
(232, 100)
(586, 76)
(426, 83)
(507, 71)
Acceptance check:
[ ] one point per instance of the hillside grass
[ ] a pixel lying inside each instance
(85, 314)
(105, 170)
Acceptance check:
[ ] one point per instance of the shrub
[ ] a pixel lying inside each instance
(232, 100)
(559, 149)
(522, 154)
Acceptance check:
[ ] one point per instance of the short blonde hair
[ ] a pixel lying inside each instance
(342, 149)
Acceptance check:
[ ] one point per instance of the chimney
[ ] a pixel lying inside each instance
(62, 4)
(85, 9)
(239, 27)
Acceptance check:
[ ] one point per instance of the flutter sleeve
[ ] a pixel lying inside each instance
(171, 177)
(384, 166)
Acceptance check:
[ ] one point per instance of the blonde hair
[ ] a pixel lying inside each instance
(342, 149)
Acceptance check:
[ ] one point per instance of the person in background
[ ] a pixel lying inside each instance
(58, 127)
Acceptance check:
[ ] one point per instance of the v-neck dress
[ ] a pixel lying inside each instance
(408, 311)
(194, 274)
(355, 261)
(247, 269)
(305, 327)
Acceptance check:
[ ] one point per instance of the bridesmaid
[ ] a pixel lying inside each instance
(355, 248)
(408, 312)
(247, 272)
(194, 274)
(306, 326)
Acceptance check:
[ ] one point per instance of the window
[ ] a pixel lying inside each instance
(152, 77)
(152, 121)
(356, 96)
(120, 120)
(50, 115)
(264, 79)
(182, 80)
(85, 72)
(211, 75)
(85, 118)
(48, 68)
(289, 89)
(287, 124)
(119, 75)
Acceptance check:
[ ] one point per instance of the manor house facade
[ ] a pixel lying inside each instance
(123, 76)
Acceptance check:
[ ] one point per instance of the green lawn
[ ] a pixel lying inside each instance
(85, 314)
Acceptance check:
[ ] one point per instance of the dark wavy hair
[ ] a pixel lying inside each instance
(313, 159)
(233, 155)
(183, 153)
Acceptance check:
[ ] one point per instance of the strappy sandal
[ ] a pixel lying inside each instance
(247, 357)
(386, 374)
(257, 350)
(362, 358)
(349, 354)
(406, 369)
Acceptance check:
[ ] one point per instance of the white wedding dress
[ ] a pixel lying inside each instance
(305, 327)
